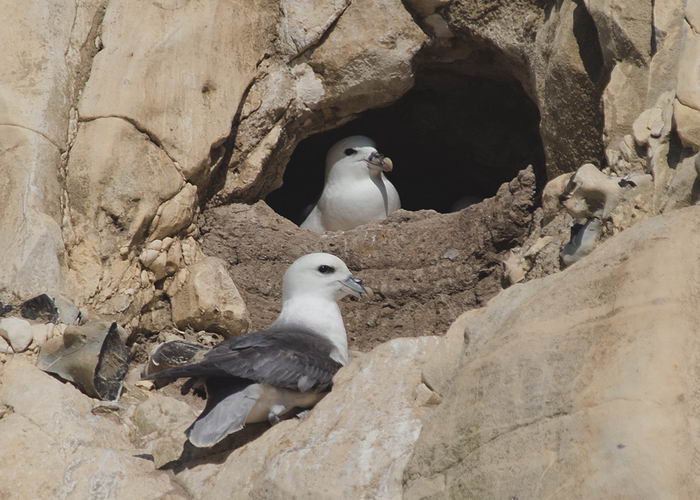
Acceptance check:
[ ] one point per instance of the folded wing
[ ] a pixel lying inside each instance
(288, 358)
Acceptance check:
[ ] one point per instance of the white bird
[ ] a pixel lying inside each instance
(356, 190)
(261, 376)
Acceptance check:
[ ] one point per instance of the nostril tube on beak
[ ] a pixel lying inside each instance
(376, 158)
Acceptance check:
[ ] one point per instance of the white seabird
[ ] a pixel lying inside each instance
(356, 190)
(261, 376)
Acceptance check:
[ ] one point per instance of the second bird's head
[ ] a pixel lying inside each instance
(357, 154)
(320, 275)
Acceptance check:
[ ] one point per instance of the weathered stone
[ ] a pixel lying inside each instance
(156, 244)
(37, 77)
(552, 194)
(41, 333)
(206, 298)
(177, 80)
(43, 59)
(159, 266)
(687, 123)
(608, 379)
(343, 71)
(688, 92)
(191, 252)
(303, 23)
(148, 256)
(53, 445)
(32, 245)
(669, 32)
(175, 214)
(17, 332)
(160, 423)
(591, 193)
(5, 347)
(174, 257)
(118, 178)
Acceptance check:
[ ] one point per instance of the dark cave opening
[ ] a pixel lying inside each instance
(450, 137)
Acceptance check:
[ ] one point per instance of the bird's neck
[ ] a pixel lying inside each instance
(320, 315)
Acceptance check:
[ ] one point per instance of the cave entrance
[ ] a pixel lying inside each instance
(452, 138)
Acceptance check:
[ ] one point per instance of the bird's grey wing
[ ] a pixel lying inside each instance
(229, 402)
(289, 358)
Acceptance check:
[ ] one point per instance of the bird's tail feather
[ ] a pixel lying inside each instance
(228, 406)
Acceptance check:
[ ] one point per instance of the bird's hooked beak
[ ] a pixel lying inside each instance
(355, 285)
(379, 160)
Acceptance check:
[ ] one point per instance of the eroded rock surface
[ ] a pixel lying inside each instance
(55, 443)
(594, 365)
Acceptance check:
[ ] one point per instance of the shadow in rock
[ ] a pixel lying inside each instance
(192, 456)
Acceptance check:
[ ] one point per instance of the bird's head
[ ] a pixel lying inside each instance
(356, 155)
(322, 275)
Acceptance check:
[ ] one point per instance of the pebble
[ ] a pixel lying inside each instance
(146, 385)
(155, 245)
(148, 256)
(18, 332)
(166, 244)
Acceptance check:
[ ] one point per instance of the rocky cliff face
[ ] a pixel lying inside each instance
(138, 141)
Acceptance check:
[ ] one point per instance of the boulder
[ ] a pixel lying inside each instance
(591, 193)
(47, 47)
(578, 385)
(175, 214)
(17, 332)
(204, 297)
(55, 443)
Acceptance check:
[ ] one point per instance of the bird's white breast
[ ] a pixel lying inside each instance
(346, 205)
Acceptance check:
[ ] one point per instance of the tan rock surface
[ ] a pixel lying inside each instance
(32, 245)
(204, 297)
(117, 179)
(178, 70)
(330, 69)
(687, 121)
(54, 443)
(579, 385)
(175, 214)
(42, 62)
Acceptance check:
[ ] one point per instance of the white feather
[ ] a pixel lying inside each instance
(355, 192)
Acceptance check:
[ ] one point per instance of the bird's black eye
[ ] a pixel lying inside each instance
(350, 152)
(324, 269)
